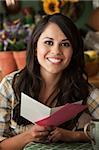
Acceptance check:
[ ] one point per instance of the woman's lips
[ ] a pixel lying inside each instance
(54, 60)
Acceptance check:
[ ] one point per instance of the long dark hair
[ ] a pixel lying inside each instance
(73, 84)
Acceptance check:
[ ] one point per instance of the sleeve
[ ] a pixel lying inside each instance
(84, 119)
(5, 108)
(93, 103)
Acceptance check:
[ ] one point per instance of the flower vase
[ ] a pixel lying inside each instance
(7, 63)
(20, 58)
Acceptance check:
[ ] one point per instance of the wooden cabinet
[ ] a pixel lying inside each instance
(94, 80)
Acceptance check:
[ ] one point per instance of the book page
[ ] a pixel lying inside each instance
(33, 110)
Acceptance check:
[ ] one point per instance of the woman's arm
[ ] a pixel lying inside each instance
(15, 143)
(71, 135)
(59, 134)
(36, 133)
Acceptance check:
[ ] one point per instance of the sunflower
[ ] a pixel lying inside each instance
(51, 6)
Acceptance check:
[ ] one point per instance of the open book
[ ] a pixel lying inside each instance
(41, 114)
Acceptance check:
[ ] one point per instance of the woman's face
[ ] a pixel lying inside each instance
(54, 50)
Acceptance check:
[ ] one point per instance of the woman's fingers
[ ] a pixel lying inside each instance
(42, 128)
(56, 135)
(39, 133)
(42, 134)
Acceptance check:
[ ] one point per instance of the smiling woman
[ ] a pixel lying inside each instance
(54, 75)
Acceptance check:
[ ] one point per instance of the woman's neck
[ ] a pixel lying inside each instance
(49, 86)
(50, 79)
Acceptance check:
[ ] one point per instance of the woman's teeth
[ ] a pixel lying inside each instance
(54, 60)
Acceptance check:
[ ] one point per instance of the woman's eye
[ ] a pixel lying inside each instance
(65, 44)
(49, 43)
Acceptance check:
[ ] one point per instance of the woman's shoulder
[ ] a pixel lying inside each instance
(9, 77)
(94, 93)
(93, 102)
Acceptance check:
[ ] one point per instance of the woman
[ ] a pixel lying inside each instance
(54, 75)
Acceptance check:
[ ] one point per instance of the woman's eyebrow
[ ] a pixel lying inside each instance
(53, 39)
(65, 40)
(48, 38)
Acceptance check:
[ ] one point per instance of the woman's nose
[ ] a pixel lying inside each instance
(56, 50)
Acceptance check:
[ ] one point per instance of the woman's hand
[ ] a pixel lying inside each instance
(39, 133)
(59, 134)
(34, 133)
(56, 135)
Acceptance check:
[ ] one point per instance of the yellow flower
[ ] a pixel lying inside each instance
(51, 6)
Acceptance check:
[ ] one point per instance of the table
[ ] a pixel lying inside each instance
(59, 146)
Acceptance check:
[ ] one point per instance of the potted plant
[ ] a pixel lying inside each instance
(18, 42)
(19, 54)
(13, 42)
(7, 61)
